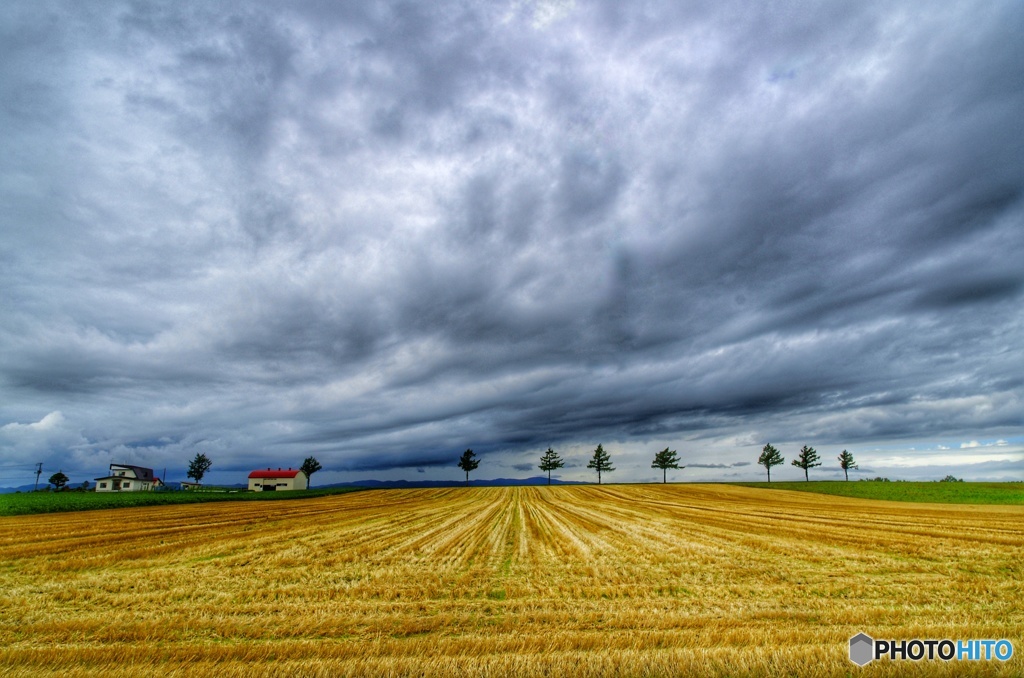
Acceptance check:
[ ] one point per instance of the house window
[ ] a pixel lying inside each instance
(126, 485)
(103, 485)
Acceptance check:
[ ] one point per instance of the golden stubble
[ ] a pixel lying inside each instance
(611, 580)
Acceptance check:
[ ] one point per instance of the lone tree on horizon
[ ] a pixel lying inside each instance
(309, 467)
(550, 462)
(770, 457)
(808, 458)
(58, 480)
(846, 462)
(467, 463)
(600, 462)
(665, 460)
(198, 467)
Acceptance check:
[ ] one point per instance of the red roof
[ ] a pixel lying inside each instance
(290, 473)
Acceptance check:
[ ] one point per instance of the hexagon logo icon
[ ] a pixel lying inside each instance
(862, 649)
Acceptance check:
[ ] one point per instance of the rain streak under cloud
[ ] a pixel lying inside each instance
(382, 233)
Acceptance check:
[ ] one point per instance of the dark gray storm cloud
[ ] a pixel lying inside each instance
(382, 233)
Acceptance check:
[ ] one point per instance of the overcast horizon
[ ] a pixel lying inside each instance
(383, 233)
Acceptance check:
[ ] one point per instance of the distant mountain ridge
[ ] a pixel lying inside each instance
(19, 488)
(494, 482)
(398, 484)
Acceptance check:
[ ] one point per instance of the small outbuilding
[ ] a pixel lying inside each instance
(277, 481)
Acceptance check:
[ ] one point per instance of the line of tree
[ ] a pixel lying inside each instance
(666, 459)
(600, 462)
(806, 459)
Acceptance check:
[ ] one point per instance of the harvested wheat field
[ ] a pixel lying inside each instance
(614, 580)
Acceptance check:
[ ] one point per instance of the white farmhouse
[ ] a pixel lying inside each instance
(128, 478)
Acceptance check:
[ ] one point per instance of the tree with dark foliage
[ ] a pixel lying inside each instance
(550, 462)
(665, 460)
(770, 457)
(58, 480)
(467, 463)
(808, 458)
(600, 462)
(846, 462)
(198, 467)
(309, 467)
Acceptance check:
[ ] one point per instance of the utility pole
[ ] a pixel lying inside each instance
(39, 472)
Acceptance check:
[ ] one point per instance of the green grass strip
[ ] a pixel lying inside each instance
(926, 492)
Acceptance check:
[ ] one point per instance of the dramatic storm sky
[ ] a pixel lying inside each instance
(382, 233)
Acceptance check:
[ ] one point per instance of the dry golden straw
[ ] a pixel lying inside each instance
(591, 581)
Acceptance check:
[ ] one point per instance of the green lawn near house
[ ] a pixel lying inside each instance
(24, 503)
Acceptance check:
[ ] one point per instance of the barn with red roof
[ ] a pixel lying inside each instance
(277, 481)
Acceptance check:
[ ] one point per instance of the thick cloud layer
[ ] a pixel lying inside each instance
(383, 233)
